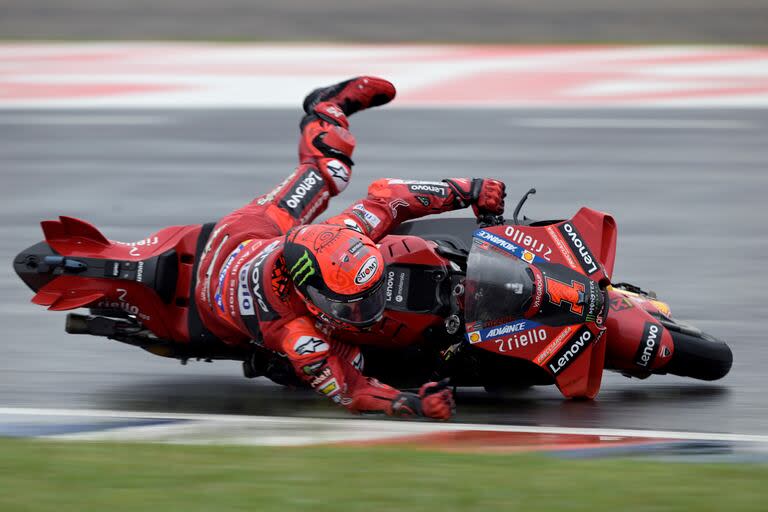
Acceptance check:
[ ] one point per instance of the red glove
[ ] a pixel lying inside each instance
(437, 400)
(485, 195)
(434, 400)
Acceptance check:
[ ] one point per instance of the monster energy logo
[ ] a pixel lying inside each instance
(302, 269)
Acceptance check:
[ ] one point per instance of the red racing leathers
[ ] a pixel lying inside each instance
(244, 293)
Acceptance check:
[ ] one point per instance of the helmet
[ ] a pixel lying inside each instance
(339, 273)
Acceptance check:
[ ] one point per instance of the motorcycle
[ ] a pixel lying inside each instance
(505, 305)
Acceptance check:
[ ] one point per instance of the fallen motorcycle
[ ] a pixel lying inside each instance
(506, 305)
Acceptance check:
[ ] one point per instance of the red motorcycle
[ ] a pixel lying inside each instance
(508, 305)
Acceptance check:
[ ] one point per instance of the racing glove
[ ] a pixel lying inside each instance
(434, 400)
(485, 195)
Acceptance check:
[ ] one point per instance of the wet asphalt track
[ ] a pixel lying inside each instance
(686, 187)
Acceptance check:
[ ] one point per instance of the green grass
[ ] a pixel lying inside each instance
(37, 475)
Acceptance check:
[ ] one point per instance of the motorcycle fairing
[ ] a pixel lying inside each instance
(149, 279)
(638, 342)
(586, 243)
(576, 255)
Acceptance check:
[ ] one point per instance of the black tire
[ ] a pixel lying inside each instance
(697, 355)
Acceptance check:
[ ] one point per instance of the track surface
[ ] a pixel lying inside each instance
(686, 187)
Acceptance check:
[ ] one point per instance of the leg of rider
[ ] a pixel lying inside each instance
(327, 144)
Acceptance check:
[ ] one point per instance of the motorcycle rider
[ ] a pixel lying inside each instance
(267, 276)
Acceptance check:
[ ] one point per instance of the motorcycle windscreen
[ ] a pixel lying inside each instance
(498, 288)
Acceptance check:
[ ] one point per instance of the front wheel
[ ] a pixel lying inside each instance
(696, 354)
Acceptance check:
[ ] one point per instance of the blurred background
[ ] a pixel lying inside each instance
(137, 115)
(448, 21)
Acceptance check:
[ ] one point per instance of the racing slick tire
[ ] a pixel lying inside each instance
(697, 355)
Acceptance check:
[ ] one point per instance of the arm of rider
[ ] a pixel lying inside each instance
(334, 369)
(393, 201)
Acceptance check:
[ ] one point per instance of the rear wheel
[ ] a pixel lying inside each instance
(696, 354)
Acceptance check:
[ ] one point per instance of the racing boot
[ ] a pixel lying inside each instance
(352, 95)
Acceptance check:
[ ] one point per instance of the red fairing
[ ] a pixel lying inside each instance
(637, 341)
(573, 354)
(74, 237)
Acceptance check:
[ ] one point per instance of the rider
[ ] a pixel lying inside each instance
(266, 276)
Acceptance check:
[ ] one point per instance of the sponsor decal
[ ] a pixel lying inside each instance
(339, 172)
(367, 270)
(355, 246)
(665, 352)
(206, 291)
(137, 246)
(320, 378)
(424, 200)
(570, 259)
(206, 250)
(140, 271)
(587, 260)
(571, 350)
(538, 292)
(371, 219)
(572, 294)
(528, 256)
(521, 340)
(554, 345)
(329, 388)
(394, 205)
(432, 190)
(310, 345)
(507, 246)
(244, 299)
(267, 313)
(396, 286)
(594, 302)
(621, 303)
(402, 286)
(523, 239)
(351, 224)
(500, 330)
(123, 304)
(296, 200)
(223, 273)
(302, 270)
(649, 344)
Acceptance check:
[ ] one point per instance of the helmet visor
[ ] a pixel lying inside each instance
(360, 312)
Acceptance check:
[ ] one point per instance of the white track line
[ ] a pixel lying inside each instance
(403, 427)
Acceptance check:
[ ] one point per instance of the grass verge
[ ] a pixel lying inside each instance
(40, 475)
